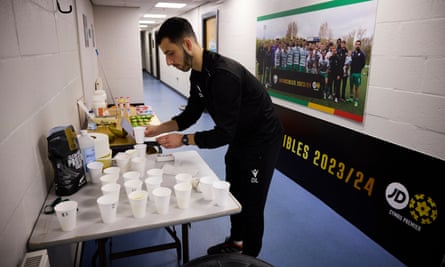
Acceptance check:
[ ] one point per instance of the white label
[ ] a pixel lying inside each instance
(89, 155)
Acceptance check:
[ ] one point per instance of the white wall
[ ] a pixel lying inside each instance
(40, 84)
(119, 45)
(405, 101)
(406, 96)
(88, 58)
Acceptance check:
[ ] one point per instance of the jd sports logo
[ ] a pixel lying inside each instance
(397, 196)
(254, 179)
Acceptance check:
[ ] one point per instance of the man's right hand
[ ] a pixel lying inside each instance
(165, 127)
(152, 130)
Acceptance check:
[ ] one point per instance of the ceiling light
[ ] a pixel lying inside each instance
(143, 26)
(147, 22)
(170, 5)
(155, 16)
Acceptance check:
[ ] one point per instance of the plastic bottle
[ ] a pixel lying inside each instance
(86, 144)
(91, 123)
(99, 102)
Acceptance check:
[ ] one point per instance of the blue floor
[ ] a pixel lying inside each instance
(300, 230)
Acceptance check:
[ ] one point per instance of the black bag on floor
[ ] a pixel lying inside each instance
(66, 159)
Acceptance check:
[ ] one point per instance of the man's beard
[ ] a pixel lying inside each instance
(187, 62)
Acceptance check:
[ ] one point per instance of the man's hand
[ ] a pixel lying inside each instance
(172, 140)
(155, 130)
(152, 130)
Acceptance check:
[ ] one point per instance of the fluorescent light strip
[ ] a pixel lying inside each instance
(170, 5)
(147, 22)
(155, 16)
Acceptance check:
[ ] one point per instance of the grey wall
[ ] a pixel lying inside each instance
(41, 81)
(44, 69)
(119, 46)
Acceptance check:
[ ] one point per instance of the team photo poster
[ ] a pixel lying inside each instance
(318, 56)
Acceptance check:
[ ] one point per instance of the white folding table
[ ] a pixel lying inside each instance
(47, 231)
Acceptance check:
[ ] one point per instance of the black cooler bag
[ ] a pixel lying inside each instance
(66, 159)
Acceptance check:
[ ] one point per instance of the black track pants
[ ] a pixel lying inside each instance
(249, 171)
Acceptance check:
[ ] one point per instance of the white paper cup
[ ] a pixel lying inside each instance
(138, 164)
(155, 172)
(141, 149)
(161, 197)
(113, 170)
(95, 171)
(151, 183)
(111, 189)
(108, 179)
(183, 192)
(131, 175)
(107, 207)
(122, 161)
(139, 134)
(66, 213)
(183, 177)
(132, 185)
(221, 192)
(206, 186)
(138, 202)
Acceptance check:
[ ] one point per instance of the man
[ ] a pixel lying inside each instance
(323, 64)
(244, 119)
(335, 71)
(358, 61)
(342, 53)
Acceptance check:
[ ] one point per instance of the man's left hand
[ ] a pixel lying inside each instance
(172, 140)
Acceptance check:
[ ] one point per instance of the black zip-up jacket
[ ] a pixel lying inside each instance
(358, 61)
(237, 102)
(335, 66)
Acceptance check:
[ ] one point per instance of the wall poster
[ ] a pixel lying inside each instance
(318, 56)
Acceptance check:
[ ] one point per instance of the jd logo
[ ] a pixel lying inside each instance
(397, 196)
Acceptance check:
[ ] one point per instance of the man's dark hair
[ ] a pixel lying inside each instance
(175, 29)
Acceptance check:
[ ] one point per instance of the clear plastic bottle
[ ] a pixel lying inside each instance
(91, 123)
(86, 144)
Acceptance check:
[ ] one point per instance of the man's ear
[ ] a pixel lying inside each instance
(187, 44)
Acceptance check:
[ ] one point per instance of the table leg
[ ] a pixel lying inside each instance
(102, 252)
(185, 242)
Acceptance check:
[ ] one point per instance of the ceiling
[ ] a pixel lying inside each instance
(148, 6)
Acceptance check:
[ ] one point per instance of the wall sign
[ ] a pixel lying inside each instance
(296, 63)
(385, 190)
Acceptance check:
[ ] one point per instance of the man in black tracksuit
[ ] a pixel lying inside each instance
(244, 119)
(335, 73)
